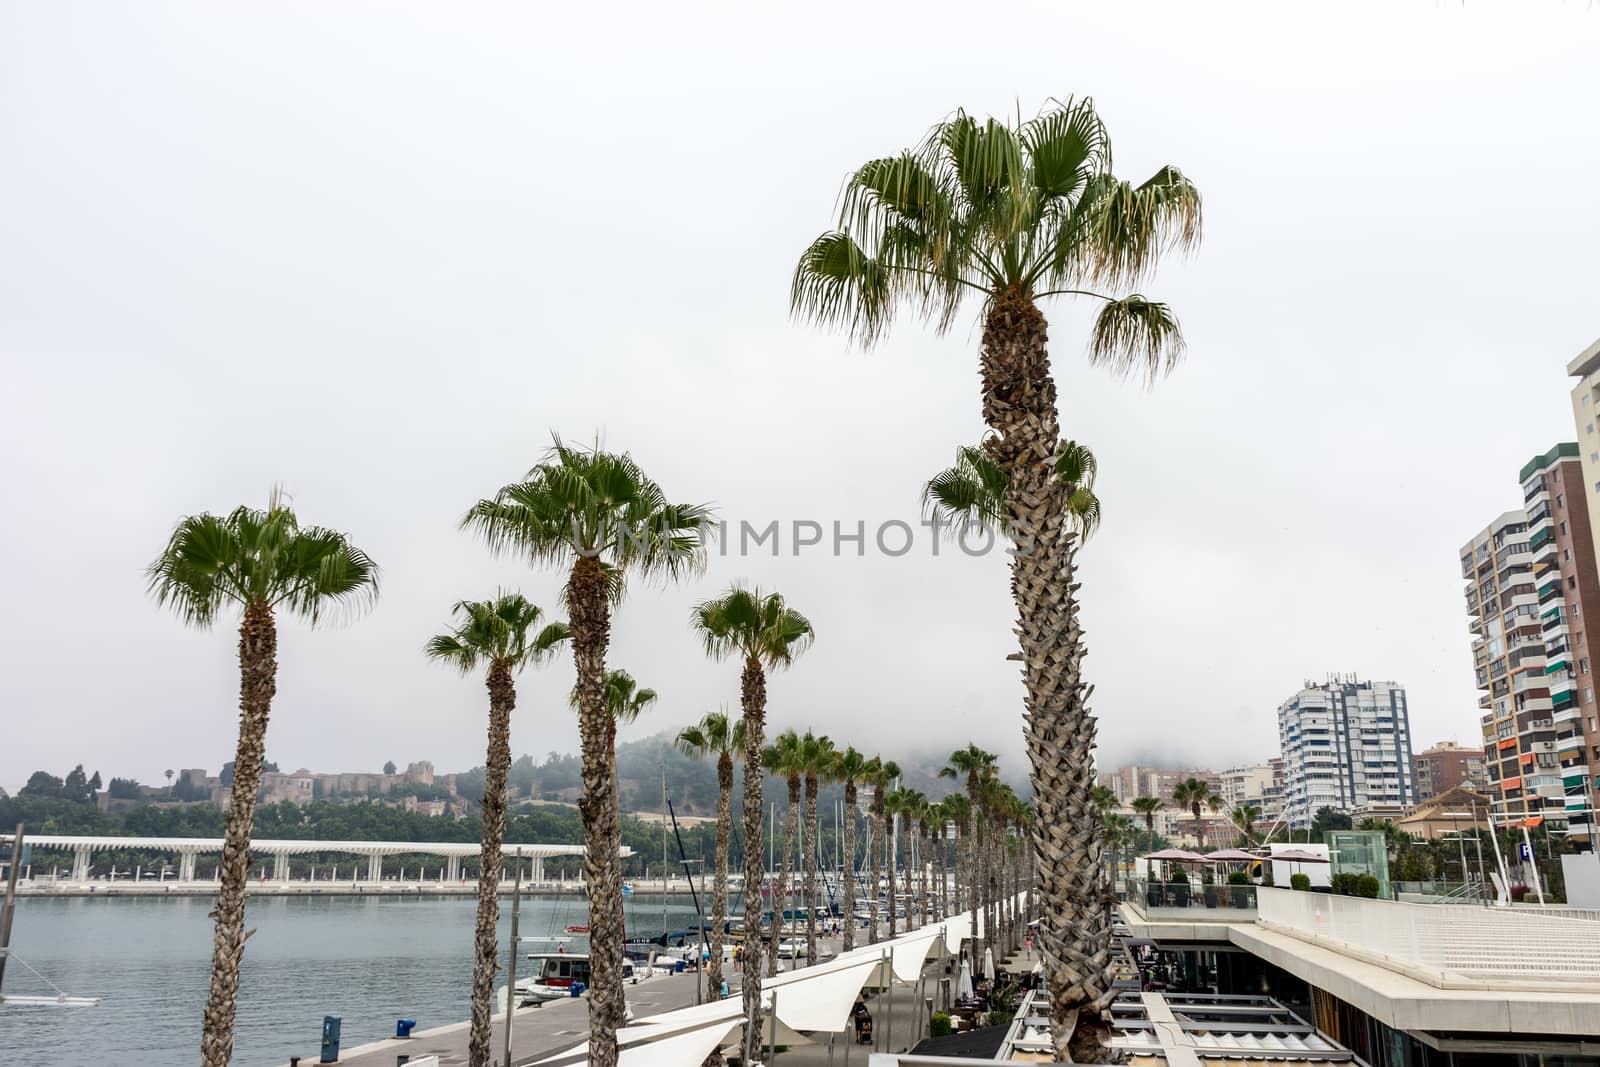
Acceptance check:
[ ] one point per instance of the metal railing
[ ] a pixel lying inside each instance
(1453, 942)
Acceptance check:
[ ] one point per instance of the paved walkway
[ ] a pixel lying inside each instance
(537, 1032)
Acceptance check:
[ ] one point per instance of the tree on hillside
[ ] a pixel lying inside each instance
(259, 562)
(42, 785)
(389, 767)
(1012, 215)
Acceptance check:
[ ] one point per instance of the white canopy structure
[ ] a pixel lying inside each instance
(810, 1000)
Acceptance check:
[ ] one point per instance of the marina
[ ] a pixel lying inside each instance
(370, 960)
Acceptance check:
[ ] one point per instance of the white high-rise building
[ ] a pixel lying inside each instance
(1346, 744)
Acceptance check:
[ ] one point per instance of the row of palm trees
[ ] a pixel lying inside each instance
(1015, 213)
(808, 761)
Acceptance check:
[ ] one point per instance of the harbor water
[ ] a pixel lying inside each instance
(368, 959)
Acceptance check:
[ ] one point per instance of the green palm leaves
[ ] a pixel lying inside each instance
(759, 626)
(503, 630)
(973, 492)
(624, 700)
(716, 734)
(591, 504)
(255, 556)
(990, 207)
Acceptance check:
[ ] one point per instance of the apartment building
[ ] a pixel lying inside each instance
(1585, 414)
(1259, 785)
(1567, 583)
(1128, 783)
(1346, 745)
(1446, 765)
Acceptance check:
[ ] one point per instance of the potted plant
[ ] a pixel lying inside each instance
(1240, 891)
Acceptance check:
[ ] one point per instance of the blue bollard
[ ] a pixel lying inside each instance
(330, 1039)
(403, 1027)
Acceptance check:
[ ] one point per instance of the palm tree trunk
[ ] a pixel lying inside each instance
(590, 619)
(891, 856)
(719, 891)
(780, 896)
(874, 850)
(1019, 404)
(922, 877)
(753, 703)
(975, 874)
(258, 682)
(849, 872)
(811, 869)
(502, 698)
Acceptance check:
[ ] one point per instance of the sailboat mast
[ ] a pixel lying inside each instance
(663, 850)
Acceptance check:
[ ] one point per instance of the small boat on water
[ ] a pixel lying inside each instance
(555, 974)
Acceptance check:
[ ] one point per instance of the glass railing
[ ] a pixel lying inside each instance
(1190, 900)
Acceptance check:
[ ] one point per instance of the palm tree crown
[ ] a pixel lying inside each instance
(259, 557)
(504, 630)
(590, 504)
(625, 701)
(716, 734)
(1031, 208)
(759, 626)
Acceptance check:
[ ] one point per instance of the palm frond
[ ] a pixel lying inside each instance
(971, 493)
(1134, 225)
(1135, 334)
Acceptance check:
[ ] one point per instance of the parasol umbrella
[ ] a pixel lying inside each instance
(1231, 855)
(988, 964)
(1297, 856)
(1176, 855)
(964, 981)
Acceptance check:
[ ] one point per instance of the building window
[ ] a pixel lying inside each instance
(1584, 664)
(1560, 502)
(1588, 696)
(1572, 583)
(1563, 525)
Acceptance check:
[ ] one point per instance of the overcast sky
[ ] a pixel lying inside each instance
(380, 253)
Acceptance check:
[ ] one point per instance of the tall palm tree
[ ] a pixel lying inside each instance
(599, 516)
(1119, 831)
(717, 735)
(1105, 799)
(816, 758)
(504, 635)
(1018, 214)
(849, 769)
(1147, 807)
(766, 634)
(925, 817)
(260, 562)
(960, 812)
(885, 773)
(901, 806)
(1194, 794)
(783, 758)
(1244, 817)
(997, 802)
(624, 702)
(972, 764)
